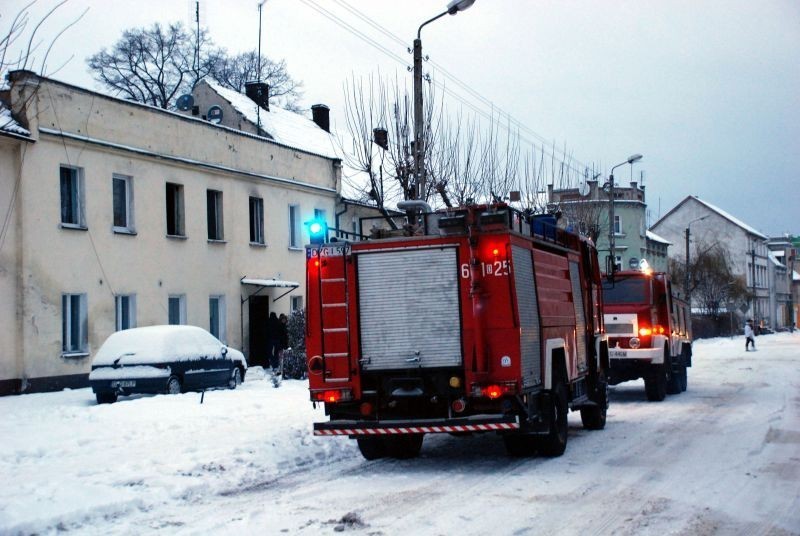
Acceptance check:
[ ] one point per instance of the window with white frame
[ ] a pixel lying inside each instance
(617, 224)
(618, 263)
(256, 220)
(74, 324)
(125, 306)
(294, 226)
(122, 203)
(216, 313)
(297, 303)
(175, 211)
(177, 309)
(214, 214)
(72, 197)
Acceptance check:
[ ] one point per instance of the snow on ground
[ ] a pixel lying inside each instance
(722, 458)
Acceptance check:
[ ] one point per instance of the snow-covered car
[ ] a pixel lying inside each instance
(163, 359)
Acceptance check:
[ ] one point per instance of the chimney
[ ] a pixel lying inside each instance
(258, 92)
(381, 138)
(321, 116)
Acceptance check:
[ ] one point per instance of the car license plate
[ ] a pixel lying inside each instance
(618, 353)
(124, 383)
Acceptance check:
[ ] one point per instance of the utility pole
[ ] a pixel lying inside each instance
(686, 275)
(753, 273)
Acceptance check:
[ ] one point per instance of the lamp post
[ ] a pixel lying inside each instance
(611, 245)
(453, 7)
(686, 279)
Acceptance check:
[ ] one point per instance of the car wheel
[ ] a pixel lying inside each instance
(173, 386)
(236, 378)
(655, 383)
(106, 398)
(594, 417)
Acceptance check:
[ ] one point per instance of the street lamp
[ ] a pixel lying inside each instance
(453, 7)
(631, 159)
(686, 291)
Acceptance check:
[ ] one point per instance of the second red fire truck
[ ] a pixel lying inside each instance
(483, 320)
(649, 332)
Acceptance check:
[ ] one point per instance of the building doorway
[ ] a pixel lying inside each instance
(259, 338)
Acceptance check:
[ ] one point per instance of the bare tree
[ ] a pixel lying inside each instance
(150, 65)
(234, 71)
(712, 282)
(19, 44)
(154, 65)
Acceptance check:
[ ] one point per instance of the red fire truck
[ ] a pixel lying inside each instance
(484, 320)
(649, 332)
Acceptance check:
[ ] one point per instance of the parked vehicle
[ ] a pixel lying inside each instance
(485, 320)
(163, 359)
(649, 332)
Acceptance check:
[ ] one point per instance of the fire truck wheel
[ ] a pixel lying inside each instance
(683, 379)
(519, 445)
(594, 417)
(555, 442)
(655, 383)
(371, 448)
(404, 446)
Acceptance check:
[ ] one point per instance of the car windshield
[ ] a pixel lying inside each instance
(628, 290)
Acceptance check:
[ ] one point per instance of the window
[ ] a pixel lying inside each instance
(74, 324)
(294, 226)
(617, 225)
(256, 220)
(177, 309)
(618, 263)
(125, 305)
(216, 311)
(72, 197)
(123, 203)
(175, 216)
(297, 303)
(214, 212)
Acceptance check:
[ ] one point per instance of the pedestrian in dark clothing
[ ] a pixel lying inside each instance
(284, 331)
(749, 336)
(274, 327)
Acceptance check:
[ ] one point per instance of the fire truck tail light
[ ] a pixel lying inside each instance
(332, 396)
(455, 382)
(645, 332)
(493, 391)
(459, 405)
(496, 252)
(659, 330)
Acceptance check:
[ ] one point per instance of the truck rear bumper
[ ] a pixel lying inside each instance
(474, 423)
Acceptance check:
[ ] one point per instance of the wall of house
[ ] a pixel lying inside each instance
(10, 257)
(153, 148)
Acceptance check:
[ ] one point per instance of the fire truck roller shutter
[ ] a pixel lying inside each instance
(409, 309)
(577, 298)
(528, 309)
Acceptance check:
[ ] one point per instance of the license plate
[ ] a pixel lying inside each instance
(618, 353)
(124, 383)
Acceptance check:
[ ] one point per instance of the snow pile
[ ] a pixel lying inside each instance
(9, 124)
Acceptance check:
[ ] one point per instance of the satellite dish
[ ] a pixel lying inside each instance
(583, 188)
(185, 102)
(214, 114)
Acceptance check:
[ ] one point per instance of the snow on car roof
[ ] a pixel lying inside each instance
(156, 344)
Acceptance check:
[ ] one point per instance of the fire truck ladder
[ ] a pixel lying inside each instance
(335, 323)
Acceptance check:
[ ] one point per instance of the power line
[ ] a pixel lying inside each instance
(566, 159)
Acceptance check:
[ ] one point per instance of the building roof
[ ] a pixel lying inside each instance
(10, 125)
(285, 127)
(726, 215)
(655, 238)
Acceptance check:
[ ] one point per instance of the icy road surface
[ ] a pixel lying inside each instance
(721, 458)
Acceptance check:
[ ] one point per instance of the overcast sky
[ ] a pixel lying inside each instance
(707, 91)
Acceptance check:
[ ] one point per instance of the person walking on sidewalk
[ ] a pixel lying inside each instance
(749, 336)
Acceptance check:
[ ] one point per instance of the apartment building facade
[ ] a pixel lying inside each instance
(123, 215)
